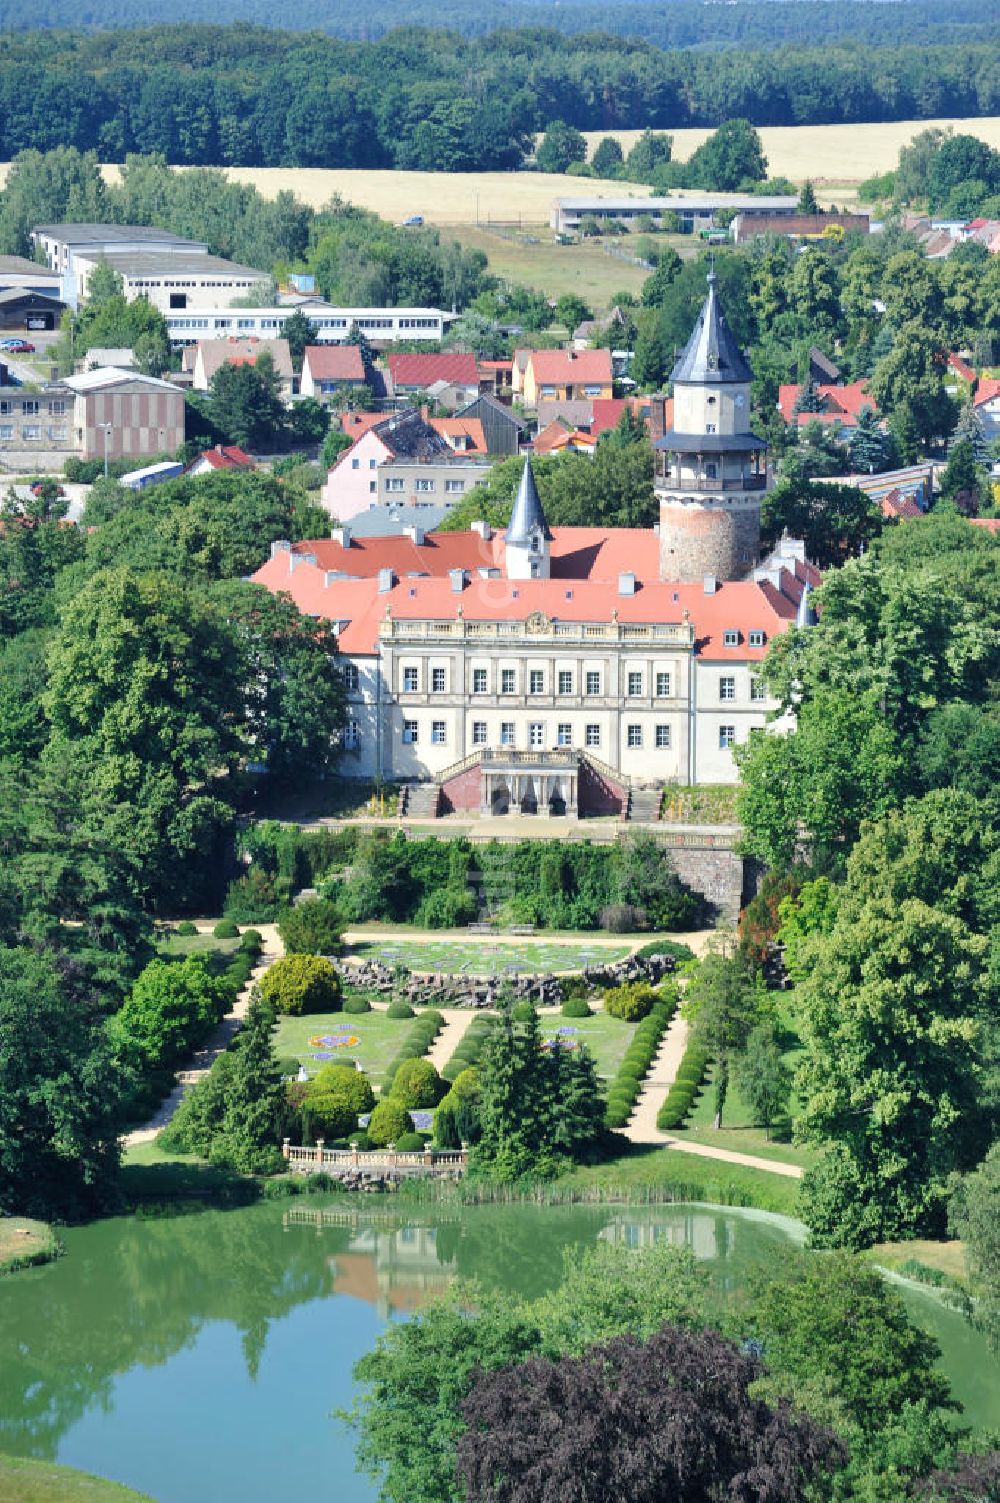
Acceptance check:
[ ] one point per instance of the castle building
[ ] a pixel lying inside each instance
(559, 670)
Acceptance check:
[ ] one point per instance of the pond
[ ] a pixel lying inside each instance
(198, 1358)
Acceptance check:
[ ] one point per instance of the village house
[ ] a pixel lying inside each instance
(986, 403)
(328, 369)
(220, 458)
(456, 375)
(563, 376)
(837, 407)
(118, 413)
(749, 225)
(208, 356)
(402, 458)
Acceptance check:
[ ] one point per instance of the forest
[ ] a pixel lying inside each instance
(414, 99)
(683, 23)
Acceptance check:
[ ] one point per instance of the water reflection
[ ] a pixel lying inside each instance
(171, 1354)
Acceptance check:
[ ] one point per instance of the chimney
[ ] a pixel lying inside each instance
(341, 535)
(415, 535)
(711, 584)
(386, 580)
(626, 583)
(280, 545)
(457, 580)
(483, 530)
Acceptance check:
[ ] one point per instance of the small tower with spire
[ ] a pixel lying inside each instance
(711, 469)
(528, 537)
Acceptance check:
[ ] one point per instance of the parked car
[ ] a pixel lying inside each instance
(17, 346)
(413, 221)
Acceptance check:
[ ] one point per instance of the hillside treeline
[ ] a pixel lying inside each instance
(682, 23)
(433, 100)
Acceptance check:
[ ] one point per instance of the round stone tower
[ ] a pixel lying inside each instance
(711, 470)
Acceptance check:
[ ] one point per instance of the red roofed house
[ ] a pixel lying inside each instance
(210, 355)
(840, 406)
(329, 368)
(409, 374)
(987, 403)
(222, 457)
(557, 669)
(566, 376)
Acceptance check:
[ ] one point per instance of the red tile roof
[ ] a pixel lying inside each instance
(584, 587)
(421, 371)
(897, 506)
(227, 457)
(451, 428)
(840, 403)
(992, 524)
(334, 362)
(354, 424)
(987, 389)
(559, 367)
(607, 414)
(961, 368)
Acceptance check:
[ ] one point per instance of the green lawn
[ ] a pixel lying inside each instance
(328, 798)
(607, 1038)
(379, 1040)
(24, 1242)
(483, 957)
(25, 1481)
(206, 945)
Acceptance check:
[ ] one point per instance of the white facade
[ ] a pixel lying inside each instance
(330, 325)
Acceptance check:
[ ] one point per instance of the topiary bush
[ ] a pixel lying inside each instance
(419, 1038)
(344, 1080)
(687, 1083)
(523, 1012)
(187, 927)
(388, 1122)
(226, 929)
(623, 1091)
(410, 1142)
(576, 1007)
(300, 984)
(470, 1047)
(630, 1002)
(312, 927)
(676, 951)
(328, 1115)
(399, 1010)
(356, 1005)
(417, 1084)
(252, 942)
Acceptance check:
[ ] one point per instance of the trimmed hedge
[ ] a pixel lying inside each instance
(623, 1090)
(678, 952)
(226, 929)
(418, 1040)
(687, 1083)
(470, 1046)
(410, 1142)
(357, 1004)
(251, 942)
(399, 1010)
(576, 1007)
(186, 928)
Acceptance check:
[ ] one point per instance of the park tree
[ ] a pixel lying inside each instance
(834, 521)
(907, 385)
(891, 1020)
(311, 927)
(334, 444)
(35, 544)
(253, 1107)
(971, 429)
(299, 332)
(669, 1417)
(572, 310)
(560, 145)
(807, 203)
(963, 481)
(723, 1003)
(61, 1096)
(654, 288)
(170, 1009)
(608, 157)
(763, 1078)
(814, 293)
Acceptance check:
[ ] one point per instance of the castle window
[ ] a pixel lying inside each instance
(479, 680)
(565, 681)
(409, 733)
(593, 683)
(507, 681)
(635, 684)
(727, 737)
(564, 734)
(727, 688)
(409, 681)
(709, 427)
(592, 735)
(536, 681)
(437, 732)
(633, 736)
(352, 734)
(711, 470)
(536, 734)
(351, 678)
(479, 733)
(662, 737)
(437, 680)
(506, 733)
(663, 686)
(758, 689)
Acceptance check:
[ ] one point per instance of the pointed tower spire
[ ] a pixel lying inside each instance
(712, 354)
(806, 613)
(527, 518)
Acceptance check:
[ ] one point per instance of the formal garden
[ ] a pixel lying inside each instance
(485, 955)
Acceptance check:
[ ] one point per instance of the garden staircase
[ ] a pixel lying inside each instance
(644, 804)
(420, 801)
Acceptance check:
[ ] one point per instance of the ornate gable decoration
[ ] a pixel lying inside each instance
(539, 623)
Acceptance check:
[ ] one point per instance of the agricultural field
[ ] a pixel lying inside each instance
(586, 269)
(371, 1038)
(484, 957)
(829, 155)
(607, 1038)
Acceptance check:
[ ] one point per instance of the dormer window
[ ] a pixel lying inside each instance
(730, 638)
(755, 638)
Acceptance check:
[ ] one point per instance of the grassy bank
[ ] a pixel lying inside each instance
(25, 1243)
(641, 1176)
(25, 1481)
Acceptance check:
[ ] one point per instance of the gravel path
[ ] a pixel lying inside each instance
(456, 1021)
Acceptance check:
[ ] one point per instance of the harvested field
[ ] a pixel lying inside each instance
(830, 154)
